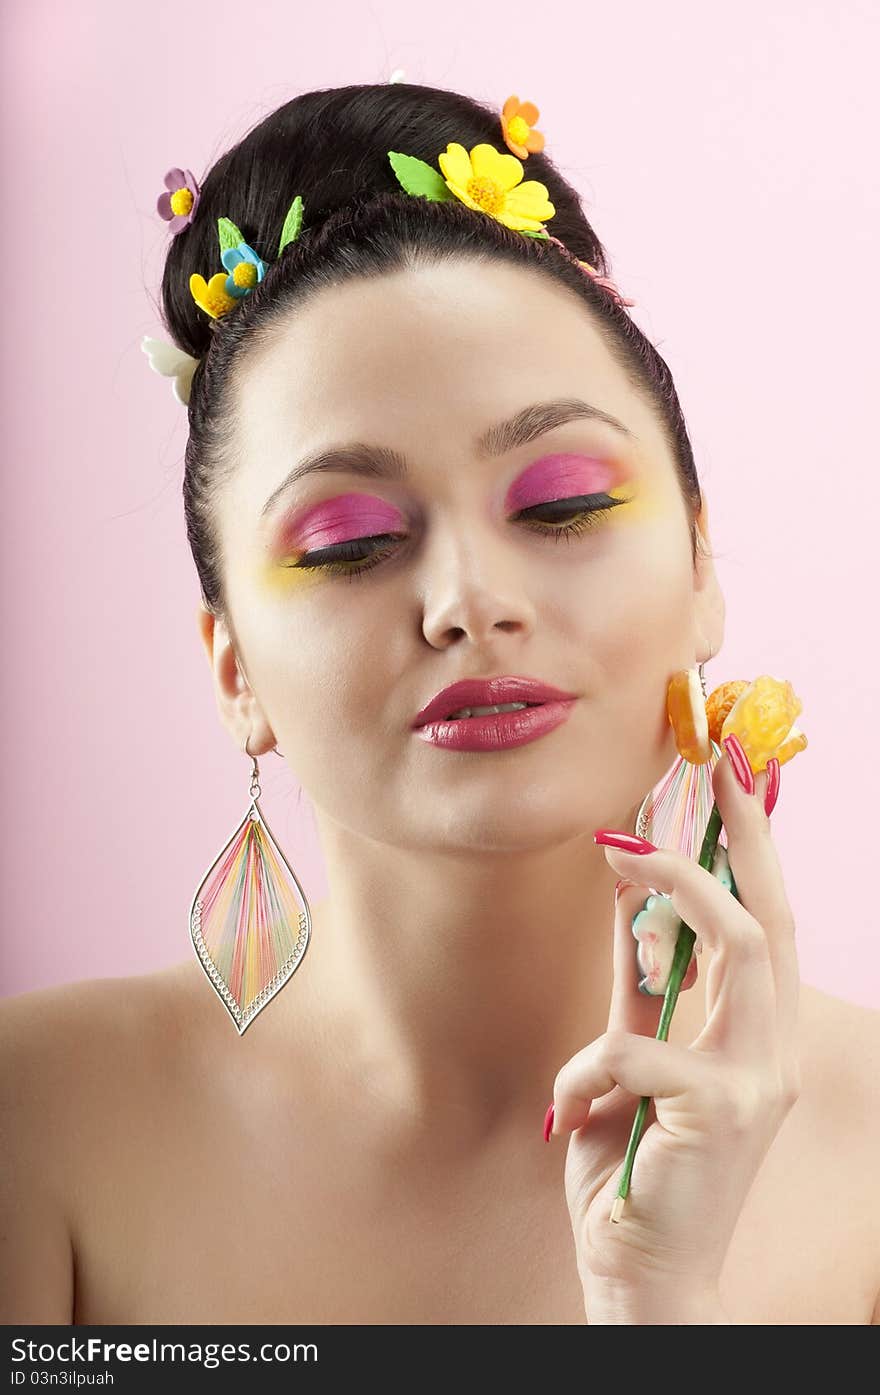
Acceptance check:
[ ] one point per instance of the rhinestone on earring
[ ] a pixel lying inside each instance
(250, 920)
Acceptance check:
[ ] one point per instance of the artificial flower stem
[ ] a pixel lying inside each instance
(684, 945)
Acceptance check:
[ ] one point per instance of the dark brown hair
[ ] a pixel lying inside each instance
(331, 146)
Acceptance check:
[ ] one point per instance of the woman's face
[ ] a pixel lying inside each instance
(421, 365)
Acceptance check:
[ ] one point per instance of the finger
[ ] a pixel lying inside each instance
(740, 988)
(632, 1010)
(639, 1064)
(759, 883)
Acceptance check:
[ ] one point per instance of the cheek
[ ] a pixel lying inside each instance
(638, 626)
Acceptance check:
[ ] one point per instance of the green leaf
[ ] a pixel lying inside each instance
(229, 234)
(292, 224)
(542, 232)
(418, 178)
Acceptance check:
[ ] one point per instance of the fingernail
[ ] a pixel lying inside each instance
(627, 842)
(548, 1124)
(740, 762)
(773, 782)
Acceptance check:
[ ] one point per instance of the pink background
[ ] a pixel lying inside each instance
(728, 158)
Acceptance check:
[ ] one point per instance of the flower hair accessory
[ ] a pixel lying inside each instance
(244, 270)
(490, 182)
(181, 199)
(485, 179)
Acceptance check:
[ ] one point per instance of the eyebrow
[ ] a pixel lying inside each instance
(381, 461)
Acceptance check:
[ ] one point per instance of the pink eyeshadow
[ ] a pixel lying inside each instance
(338, 520)
(560, 476)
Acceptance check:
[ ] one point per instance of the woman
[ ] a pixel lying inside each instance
(369, 1150)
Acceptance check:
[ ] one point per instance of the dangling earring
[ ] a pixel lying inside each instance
(245, 920)
(674, 814)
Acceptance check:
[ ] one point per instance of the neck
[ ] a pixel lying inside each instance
(455, 985)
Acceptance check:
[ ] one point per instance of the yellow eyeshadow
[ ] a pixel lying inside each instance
(641, 503)
(281, 577)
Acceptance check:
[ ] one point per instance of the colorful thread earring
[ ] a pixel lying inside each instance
(250, 920)
(675, 812)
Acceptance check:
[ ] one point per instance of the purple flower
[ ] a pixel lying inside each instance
(178, 205)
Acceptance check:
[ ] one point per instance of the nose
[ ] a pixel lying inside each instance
(473, 587)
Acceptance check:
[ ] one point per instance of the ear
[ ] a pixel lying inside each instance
(709, 607)
(237, 704)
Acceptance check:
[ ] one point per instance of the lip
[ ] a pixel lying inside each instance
(489, 692)
(498, 730)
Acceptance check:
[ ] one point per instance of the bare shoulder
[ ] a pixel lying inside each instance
(840, 1069)
(54, 1033)
(76, 1049)
(71, 1054)
(840, 1047)
(840, 1099)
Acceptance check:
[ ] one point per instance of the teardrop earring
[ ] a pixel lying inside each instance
(247, 925)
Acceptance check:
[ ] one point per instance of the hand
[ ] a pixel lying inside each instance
(716, 1105)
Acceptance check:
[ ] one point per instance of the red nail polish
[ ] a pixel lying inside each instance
(627, 842)
(548, 1124)
(773, 782)
(740, 762)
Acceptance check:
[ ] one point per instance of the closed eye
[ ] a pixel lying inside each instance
(568, 517)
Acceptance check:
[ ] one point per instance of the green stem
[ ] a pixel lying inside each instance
(684, 945)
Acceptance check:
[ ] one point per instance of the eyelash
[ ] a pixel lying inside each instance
(338, 564)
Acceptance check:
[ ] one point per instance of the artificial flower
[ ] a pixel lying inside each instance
(181, 199)
(761, 715)
(172, 363)
(517, 127)
(485, 180)
(245, 268)
(211, 296)
(719, 703)
(491, 183)
(656, 928)
(762, 718)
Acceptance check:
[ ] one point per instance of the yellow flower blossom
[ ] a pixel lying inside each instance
(211, 296)
(763, 720)
(491, 183)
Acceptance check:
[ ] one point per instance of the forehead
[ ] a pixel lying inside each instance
(423, 360)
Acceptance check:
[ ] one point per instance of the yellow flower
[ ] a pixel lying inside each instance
(210, 296)
(763, 719)
(490, 182)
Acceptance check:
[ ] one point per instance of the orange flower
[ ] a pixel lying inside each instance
(719, 703)
(517, 127)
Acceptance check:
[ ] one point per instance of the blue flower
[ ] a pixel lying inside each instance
(245, 268)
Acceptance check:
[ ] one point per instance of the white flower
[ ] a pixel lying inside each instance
(656, 928)
(173, 363)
